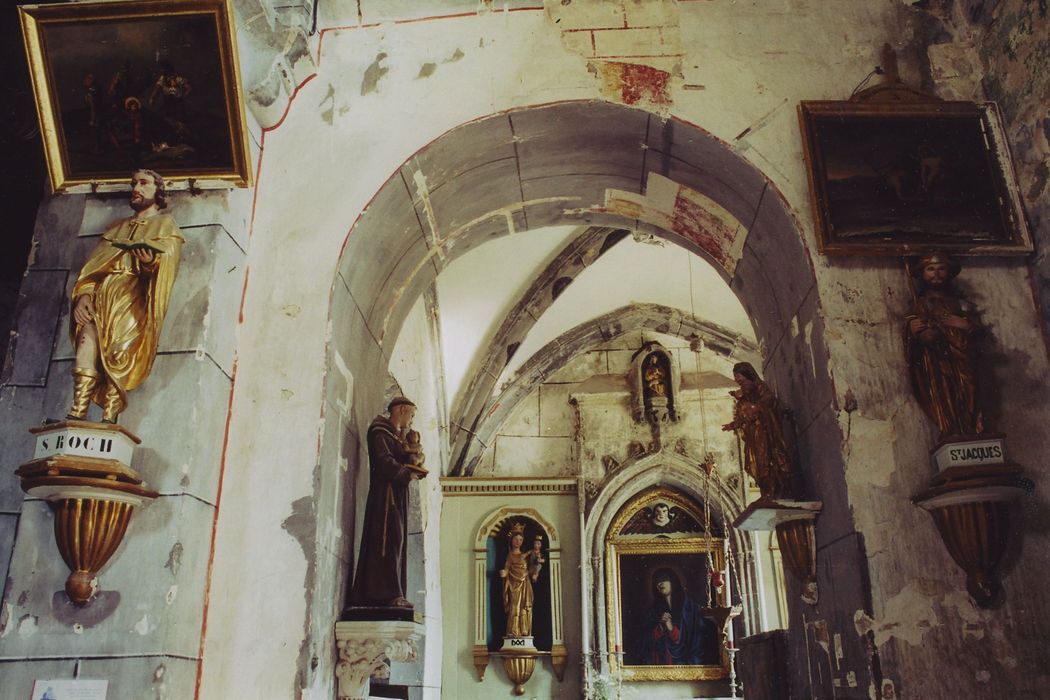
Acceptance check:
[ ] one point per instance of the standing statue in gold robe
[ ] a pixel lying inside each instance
(941, 330)
(120, 299)
(758, 418)
(517, 589)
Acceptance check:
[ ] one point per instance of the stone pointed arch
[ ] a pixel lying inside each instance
(469, 408)
(596, 331)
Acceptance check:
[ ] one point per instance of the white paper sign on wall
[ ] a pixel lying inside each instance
(79, 689)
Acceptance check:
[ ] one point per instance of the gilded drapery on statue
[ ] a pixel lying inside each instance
(758, 418)
(941, 329)
(517, 586)
(394, 460)
(120, 299)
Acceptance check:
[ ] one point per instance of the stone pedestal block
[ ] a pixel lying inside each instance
(366, 649)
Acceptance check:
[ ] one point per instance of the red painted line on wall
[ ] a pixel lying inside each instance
(644, 55)
(433, 17)
(218, 500)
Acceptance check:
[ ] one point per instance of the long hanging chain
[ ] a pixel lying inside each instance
(707, 527)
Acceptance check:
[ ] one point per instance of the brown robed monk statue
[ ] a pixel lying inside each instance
(120, 299)
(942, 331)
(757, 417)
(394, 460)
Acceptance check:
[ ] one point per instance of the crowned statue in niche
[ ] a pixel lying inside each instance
(942, 331)
(120, 299)
(395, 459)
(520, 571)
(758, 419)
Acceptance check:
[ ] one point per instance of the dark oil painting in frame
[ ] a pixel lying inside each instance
(123, 85)
(897, 179)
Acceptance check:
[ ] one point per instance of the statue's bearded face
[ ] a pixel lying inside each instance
(143, 191)
(936, 273)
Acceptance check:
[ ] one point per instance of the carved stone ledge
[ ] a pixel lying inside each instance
(366, 649)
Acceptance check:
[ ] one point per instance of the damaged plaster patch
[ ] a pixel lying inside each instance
(328, 114)
(457, 55)
(373, 74)
(426, 70)
(909, 615)
(633, 49)
(174, 559)
(691, 214)
(142, 626)
(869, 456)
(27, 625)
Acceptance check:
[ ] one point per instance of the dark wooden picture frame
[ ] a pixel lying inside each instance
(149, 83)
(891, 178)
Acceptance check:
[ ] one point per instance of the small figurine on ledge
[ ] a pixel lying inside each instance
(395, 459)
(757, 416)
(120, 299)
(941, 331)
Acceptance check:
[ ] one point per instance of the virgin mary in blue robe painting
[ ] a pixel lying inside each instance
(675, 631)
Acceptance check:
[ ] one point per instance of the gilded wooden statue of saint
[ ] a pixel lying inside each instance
(941, 330)
(517, 586)
(758, 419)
(395, 459)
(119, 301)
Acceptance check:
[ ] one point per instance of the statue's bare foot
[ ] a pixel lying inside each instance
(400, 602)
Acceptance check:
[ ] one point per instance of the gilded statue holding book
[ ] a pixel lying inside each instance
(119, 301)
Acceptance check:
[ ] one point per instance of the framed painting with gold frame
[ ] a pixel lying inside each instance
(662, 631)
(144, 84)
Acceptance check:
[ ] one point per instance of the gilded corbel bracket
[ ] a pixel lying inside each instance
(973, 507)
(81, 469)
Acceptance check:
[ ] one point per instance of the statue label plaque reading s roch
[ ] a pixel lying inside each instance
(120, 299)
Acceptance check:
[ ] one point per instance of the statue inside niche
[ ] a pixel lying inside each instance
(758, 419)
(395, 459)
(654, 382)
(655, 377)
(941, 331)
(120, 299)
(517, 585)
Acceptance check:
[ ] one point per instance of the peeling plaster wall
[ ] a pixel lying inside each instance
(390, 78)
